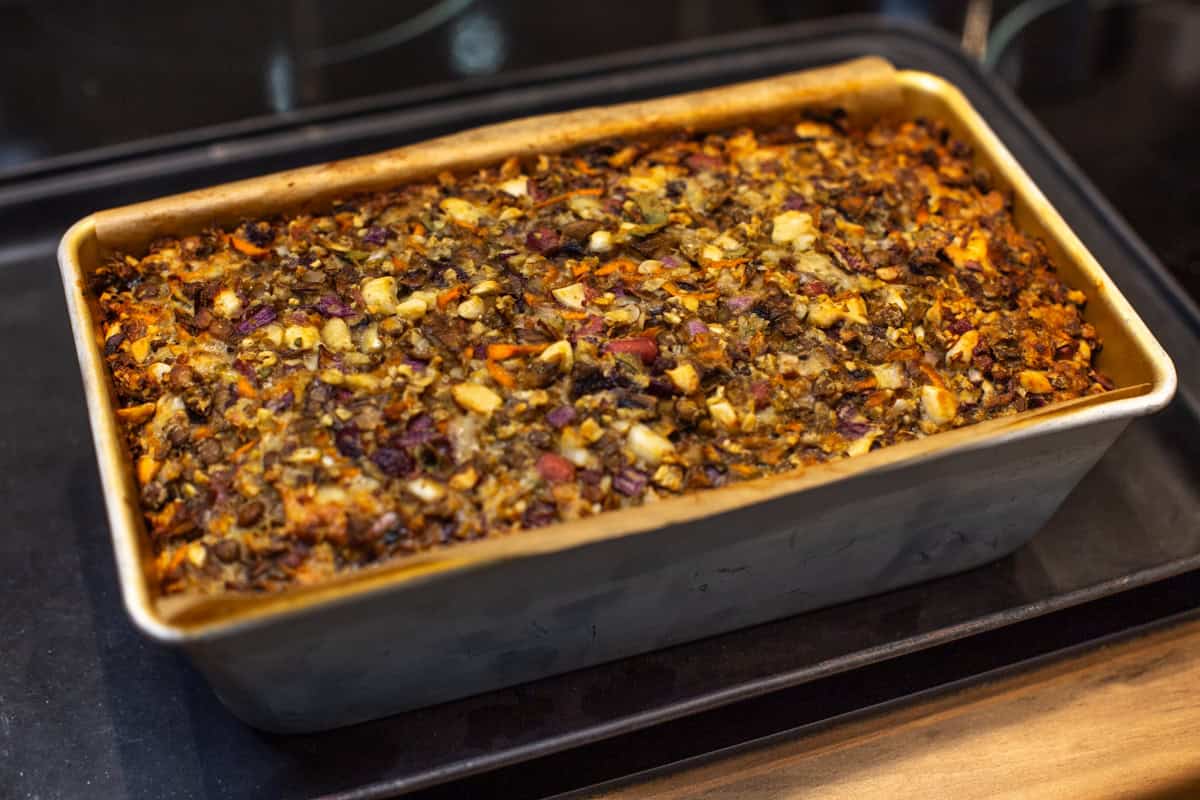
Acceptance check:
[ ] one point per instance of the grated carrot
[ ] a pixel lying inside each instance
(449, 296)
(558, 198)
(243, 246)
(500, 375)
(500, 352)
(245, 388)
(246, 448)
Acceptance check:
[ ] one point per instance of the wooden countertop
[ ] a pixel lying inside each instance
(1118, 721)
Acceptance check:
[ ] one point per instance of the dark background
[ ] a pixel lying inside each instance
(88, 82)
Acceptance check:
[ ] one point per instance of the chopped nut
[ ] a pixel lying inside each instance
(669, 477)
(335, 333)
(887, 273)
(305, 455)
(889, 376)
(600, 242)
(462, 211)
(464, 480)
(301, 337)
(471, 308)
(412, 308)
(571, 296)
(369, 341)
(517, 187)
(685, 378)
(559, 353)
(380, 295)
(486, 287)
(939, 405)
(964, 349)
(197, 554)
(272, 333)
(624, 315)
(361, 381)
(649, 446)
(227, 304)
(794, 227)
(590, 431)
(477, 398)
(823, 313)
(1035, 382)
(722, 411)
(140, 350)
(426, 490)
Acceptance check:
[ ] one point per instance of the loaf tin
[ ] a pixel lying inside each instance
(489, 614)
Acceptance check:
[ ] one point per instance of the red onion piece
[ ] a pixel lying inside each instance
(561, 417)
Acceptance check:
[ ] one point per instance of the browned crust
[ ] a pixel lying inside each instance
(861, 87)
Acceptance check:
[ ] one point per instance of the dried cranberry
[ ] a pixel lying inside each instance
(555, 469)
(643, 348)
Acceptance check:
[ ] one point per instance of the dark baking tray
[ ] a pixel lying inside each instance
(90, 708)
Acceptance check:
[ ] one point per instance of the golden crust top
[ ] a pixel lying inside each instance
(551, 338)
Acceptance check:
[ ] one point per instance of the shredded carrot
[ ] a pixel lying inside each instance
(246, 448)
(500, 375)
(243, 246)
(932, 375)
(573, 314)
(583, 167)
(905, 354)
(398, 264)
(876, 399)
(245, 388)
(202, 432)
(581, 269)
(616, 264)
(176, 559)
(449, 296)
(558, 198)
(500, 352)
(418, 229)
(865, 384)
(532, 299)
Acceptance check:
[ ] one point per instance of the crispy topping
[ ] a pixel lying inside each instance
(556, 337)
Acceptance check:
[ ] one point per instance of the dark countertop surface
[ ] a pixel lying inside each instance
(1123, 100)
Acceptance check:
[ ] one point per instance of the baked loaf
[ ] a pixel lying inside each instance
(544, 340)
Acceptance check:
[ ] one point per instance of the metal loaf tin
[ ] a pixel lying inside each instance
(489, 614)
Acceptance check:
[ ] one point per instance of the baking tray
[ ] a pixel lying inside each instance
(627, 582)
(143, 725)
